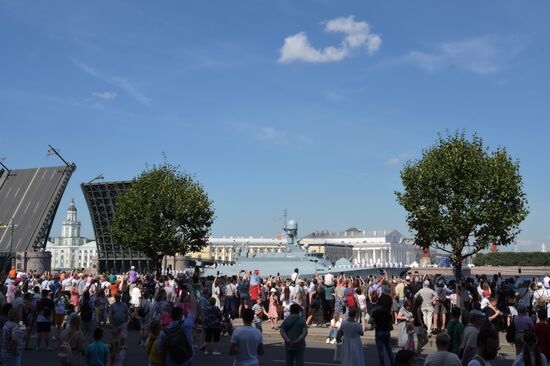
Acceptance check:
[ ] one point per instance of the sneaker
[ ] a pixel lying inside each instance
(206, 352)
(216, 353)
(333, 341)
(328, 340)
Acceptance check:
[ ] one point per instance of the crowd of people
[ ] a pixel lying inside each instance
(179, 316)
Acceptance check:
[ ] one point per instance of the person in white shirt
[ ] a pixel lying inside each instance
(442, 357)
(247, 342)
(135, 296)
(329, 279)
(67, 283)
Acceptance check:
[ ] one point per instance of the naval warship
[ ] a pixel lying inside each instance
(294, 258)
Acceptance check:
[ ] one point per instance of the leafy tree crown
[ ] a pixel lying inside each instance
(460, 197)
(165, 212)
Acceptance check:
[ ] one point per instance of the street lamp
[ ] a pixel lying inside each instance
(12, 227)
(100, 176)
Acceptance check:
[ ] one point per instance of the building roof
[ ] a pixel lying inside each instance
(353, 232)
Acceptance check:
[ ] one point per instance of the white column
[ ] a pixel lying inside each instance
(358, 256)
(374, 256)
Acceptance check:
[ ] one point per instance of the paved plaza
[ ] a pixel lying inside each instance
(317, 352)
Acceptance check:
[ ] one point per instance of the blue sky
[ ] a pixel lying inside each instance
(312, 106)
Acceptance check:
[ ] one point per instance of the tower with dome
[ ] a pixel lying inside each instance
(71, 250)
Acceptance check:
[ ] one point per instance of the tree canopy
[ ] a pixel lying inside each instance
(165, 212)
(460, 197)
(523, 259)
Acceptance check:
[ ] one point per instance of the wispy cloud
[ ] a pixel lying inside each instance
(357, 35)
(106, 95)
(481, 55)
(398, 159)
(117, 81)
(270, 134)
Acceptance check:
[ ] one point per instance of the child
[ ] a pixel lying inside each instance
(154, 355)
(259, 311)
(117, 354)
(273, 302)
(335, 323)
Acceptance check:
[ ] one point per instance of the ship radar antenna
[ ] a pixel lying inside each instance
(284, 217)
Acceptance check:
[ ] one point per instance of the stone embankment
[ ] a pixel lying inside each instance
(507, 271)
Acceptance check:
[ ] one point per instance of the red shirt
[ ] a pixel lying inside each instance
(542, 331)
(254, 292)
(114, 288)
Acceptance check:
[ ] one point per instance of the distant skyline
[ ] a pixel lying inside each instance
(310, 106)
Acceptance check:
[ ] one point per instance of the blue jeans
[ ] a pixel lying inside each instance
(229, 306)
(383, 340)
(332, 333)
(295, 357)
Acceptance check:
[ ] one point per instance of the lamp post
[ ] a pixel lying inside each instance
(100, 176)
(12, 227)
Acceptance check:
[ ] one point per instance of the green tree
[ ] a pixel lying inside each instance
(165, 212)
(460, 197)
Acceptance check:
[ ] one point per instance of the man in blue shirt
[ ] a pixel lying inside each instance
(97, 352)
(186, 326)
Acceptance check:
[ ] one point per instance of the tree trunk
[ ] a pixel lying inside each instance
(457, 269)
(158, 263)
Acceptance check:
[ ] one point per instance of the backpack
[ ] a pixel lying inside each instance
(442, 295)
(86, 312)
(65, 354)
(351, 299)
(177, 345)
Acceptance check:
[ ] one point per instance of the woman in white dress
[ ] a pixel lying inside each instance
(352, 349)
(402, 318)
(216, 292)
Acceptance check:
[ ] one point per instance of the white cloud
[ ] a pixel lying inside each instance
(106, 95)
(481, 55)
(117, 81)
(398, 159)
(270, 134)
(357, 34)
